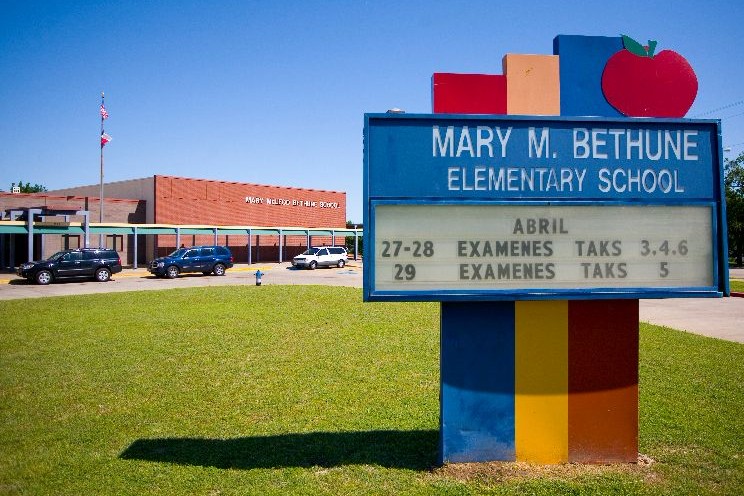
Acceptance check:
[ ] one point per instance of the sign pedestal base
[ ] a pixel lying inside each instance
(539, 381)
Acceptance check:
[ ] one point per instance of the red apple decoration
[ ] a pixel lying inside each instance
(640, 84)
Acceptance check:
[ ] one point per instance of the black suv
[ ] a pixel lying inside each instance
(97, 263)
(204, 259)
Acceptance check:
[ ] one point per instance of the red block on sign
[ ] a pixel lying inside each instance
(468, 93)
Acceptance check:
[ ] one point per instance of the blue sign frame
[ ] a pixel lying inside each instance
(423, 159)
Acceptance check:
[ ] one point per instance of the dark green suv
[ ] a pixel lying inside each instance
(96, 263)
(204, 259)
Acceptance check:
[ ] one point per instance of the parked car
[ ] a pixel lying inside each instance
(204, 259)
(323, 256)
(97, 263)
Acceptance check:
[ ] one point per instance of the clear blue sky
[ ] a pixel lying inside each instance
(275, 92)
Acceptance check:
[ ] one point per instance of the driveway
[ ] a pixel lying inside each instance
(714, 317)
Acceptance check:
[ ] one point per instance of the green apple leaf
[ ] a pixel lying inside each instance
(651, 47)
(634, 47)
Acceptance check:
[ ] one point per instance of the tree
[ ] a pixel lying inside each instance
(28, 188)
(734, 184)
(349, 240)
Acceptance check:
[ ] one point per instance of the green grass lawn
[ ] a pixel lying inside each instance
(737, 285)
(303, 390)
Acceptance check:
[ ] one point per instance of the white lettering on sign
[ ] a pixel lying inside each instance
(461, 247)
(542, 148)
(543, 179)
(639, 180)
(668, 148)
(444, 146)
(634, 144)
(253, 199)
(594, 143)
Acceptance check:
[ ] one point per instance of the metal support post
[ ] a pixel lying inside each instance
(135, 248)
(30, 223)
(14, 214)
(280, 246)
(249, 247)
(42, 241)
(86, 225)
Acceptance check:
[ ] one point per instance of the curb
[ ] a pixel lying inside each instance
(142, 272)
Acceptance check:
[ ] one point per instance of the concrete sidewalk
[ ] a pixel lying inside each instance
(721, 318)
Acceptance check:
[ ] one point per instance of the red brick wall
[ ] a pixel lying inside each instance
(204, 202)
(114, 210)
(200, 201)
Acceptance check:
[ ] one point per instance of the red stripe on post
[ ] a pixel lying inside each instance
(603, 381)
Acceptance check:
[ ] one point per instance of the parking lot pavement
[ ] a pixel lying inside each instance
(13, 287)
(736, 274)
(715, 317)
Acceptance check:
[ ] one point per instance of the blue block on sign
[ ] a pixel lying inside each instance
(582, 60)
(477, 381)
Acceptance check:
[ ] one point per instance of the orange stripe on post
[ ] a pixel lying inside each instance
(603, 381)
(541, 381)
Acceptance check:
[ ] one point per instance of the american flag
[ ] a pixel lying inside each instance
(104, 114)
(105, 138)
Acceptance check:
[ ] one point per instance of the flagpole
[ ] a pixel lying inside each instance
(100, 198)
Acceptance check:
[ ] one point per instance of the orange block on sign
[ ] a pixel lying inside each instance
(533, 84)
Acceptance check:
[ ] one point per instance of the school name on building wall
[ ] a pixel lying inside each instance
(269, 202)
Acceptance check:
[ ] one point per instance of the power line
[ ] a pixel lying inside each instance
(730, 105)
(730, 116)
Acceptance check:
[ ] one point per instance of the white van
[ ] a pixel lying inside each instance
(322, 256)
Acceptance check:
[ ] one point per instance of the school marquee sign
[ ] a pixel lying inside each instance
(489, 208)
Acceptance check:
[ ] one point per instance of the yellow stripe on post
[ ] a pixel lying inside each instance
(541, 381)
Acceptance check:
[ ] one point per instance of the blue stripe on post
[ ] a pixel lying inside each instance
(477, 382)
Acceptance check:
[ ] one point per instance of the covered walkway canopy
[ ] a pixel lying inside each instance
(30, 227)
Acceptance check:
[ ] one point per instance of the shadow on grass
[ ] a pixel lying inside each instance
(414, 450)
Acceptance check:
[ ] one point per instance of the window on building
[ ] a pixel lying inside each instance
(71, 241)
(115, 242)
